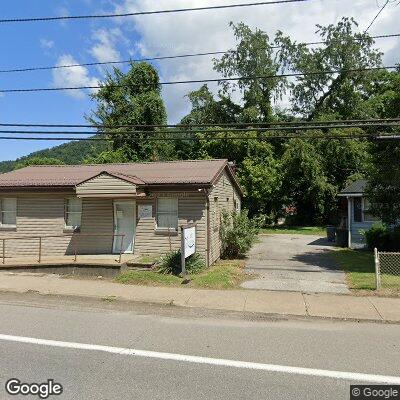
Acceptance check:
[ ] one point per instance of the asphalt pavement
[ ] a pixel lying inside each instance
(294, 262)
(148, 351)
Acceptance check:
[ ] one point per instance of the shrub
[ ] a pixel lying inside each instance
(379, 236)
(395, 239)
(170, 263)
(238, 234)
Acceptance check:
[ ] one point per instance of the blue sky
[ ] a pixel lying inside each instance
(51, 43)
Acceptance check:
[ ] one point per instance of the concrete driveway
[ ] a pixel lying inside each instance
(300, 263)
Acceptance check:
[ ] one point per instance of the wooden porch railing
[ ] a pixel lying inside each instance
(74, 239)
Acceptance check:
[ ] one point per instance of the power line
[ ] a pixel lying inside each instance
(209, 131)
(133, 14)
(243, 78)
(245, 138)
(376, 16)
(161, 58)
(202, 125)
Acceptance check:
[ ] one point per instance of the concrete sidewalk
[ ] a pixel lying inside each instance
(261, 301)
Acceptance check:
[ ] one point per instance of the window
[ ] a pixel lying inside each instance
(357, 209)
(167, 213)
(73, 213)
(361, 208)
(8, 212)
(236, 206)
(367, 216)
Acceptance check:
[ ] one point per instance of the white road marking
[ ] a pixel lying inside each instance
(352, 376)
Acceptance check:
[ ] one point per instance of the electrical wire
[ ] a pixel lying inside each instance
(250, 129)
(160, 58)
(203, 125)
(245, 138)
(134, 14)
(376, 16)
(217, 80)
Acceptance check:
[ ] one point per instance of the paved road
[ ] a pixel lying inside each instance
(90, 373)
(298, 263)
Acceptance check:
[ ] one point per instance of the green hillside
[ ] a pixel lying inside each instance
(69, 153)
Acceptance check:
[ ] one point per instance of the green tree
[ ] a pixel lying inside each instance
(253, 56)
(207, 110)
(383, 187)
(132, 98)
(343, 158)
(304, 184)
(256, 165)
(38, 161)
(342, 94)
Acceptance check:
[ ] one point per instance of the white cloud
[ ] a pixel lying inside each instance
(200, 31)
(105, 47)
(63, 12)
(72, 77)
(46, 43)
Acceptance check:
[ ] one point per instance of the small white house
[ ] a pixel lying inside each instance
(358, 217)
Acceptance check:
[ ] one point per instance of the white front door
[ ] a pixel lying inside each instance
(124, 224)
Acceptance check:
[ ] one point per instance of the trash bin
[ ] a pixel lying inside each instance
(330, 233)
(342, 237)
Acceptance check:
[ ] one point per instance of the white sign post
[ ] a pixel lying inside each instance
(188, 244)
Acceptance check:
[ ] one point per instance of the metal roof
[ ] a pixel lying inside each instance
(355, 188)
(202, 172)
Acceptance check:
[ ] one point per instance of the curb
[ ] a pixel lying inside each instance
(170, 304)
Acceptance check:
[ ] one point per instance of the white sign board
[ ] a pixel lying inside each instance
(145, 211)
(189, 235)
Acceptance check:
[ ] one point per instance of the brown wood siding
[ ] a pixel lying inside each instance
(105, 185)
(97, 218)
(43, 215)
(227, 194)
(38, 215)
(191, 208)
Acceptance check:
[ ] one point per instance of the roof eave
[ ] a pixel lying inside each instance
(359, 194)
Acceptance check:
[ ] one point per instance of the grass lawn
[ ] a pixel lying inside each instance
(303, 230)
(222, 275)
(360, 269)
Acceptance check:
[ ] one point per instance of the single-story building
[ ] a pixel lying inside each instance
(358, 217)
(145, 202)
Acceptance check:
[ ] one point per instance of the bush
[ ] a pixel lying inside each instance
(170, 263)
(383, 238)
(395, 242)
(238, 234)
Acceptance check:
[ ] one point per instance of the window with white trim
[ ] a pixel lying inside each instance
(73, 213)
(8, 212)
(167, 213)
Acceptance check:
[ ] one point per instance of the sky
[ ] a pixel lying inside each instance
(64, 42)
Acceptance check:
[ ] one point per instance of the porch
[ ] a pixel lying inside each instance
(38, 251)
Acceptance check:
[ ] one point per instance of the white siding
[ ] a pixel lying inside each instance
(357, 228)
